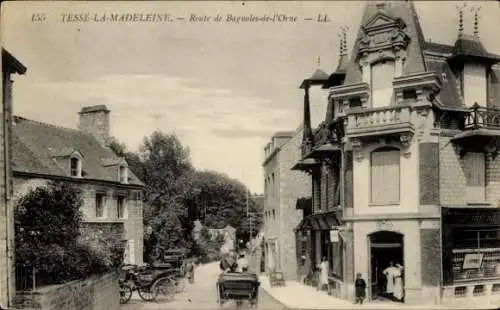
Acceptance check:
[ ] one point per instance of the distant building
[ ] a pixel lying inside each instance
(228, 232)
(10, 66)
(112, 194)
(282, 188)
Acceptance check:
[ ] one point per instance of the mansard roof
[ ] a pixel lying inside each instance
(471, 48)
(317, 78)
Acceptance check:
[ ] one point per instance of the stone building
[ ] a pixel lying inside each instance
(404, 167)
(282, 189)
(10, 66)
(112, 194)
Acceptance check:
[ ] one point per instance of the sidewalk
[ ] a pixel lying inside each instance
(295, 295)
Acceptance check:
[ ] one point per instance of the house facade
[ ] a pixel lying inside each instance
(404, 167)
(283, 187)
(10, 66)
(112, 194)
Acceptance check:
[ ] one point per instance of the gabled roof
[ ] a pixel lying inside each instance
(12, 64)
(37, 148)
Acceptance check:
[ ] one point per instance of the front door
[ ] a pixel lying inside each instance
(385, 247)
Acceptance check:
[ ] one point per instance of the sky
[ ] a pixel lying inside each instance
(223, 87)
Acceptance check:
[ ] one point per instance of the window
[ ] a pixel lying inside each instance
(123, 174)
(355, 103)
(99, 205)
(475, 175)
(410, 94)
(385, 177)
(121, 208)
(274, 215)
(382, 74)
(75, 167)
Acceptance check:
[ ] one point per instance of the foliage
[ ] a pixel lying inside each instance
(176, 195)
(47, 233)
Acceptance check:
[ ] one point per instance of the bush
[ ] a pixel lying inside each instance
(47, 231)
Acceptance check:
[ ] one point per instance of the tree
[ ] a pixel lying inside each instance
(48, 222)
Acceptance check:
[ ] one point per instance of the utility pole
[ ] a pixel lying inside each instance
(249, 218)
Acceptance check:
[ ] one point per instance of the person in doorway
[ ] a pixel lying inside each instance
(242, 263)
(398, 282)
(360, 288)
(323, 274)
(390, 273)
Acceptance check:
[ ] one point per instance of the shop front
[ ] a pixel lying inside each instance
(471, 252)
(318, 236)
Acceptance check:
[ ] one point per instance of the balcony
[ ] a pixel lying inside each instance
(388, 121)
(481, 131)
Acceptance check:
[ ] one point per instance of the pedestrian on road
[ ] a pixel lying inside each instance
(190, 271)
(360, 286)
(323, 274)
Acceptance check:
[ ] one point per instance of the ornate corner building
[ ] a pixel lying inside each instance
(404, 167)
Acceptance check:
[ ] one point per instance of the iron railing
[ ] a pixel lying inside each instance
(482, 117)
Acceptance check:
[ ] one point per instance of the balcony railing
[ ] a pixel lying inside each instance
(378, 120)
(481, 117)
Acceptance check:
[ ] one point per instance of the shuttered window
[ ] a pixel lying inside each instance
(385, 176)
(475, 174)
(382, 74)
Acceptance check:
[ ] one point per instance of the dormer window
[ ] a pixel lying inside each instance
(474, 84)
(123, 174)
(75, 166)
(382, 75)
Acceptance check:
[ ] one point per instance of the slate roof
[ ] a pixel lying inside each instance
(469, 46)
(12, 63)
(39, 148)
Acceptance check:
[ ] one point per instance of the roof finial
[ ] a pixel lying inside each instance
(461, 18)
(341, 42)
(476, 10)
(344, 40)
(318, 61)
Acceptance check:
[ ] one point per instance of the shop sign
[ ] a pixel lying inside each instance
(334, 235)
(473, 261)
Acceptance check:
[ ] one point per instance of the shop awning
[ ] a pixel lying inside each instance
(322, 221)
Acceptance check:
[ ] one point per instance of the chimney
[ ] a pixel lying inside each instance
(94, 120)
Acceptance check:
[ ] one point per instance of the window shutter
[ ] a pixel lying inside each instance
(381, 80)
(475, 176)
(385, 176)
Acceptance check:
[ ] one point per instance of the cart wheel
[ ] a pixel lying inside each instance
(147, 293)
(165, 288)
(180, 284)
(125, 293)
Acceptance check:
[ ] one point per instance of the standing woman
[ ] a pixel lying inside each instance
(323, 274)
(398, 283)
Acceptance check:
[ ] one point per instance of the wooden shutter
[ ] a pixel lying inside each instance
(385, 176)
(475, 176)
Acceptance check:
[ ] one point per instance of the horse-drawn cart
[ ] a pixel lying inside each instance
(239, 287)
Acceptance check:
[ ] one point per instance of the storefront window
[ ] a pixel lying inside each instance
(476, 254)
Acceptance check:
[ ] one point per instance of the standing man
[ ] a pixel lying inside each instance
(323, 274)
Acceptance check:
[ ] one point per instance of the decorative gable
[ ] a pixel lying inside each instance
(383, 37)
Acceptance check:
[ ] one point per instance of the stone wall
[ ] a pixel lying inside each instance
(293, 185)
(96, 293)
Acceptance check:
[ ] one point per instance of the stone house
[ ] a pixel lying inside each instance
(112, 194)
(282, 188)
(404, 166)
(10, 66)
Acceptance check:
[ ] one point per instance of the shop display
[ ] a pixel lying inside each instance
(476, 264)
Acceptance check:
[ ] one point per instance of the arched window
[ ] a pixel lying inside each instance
(385, 175)
(123, 174)
(382, 75)
(75, 168)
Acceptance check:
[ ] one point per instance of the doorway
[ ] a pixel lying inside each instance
(385, 246)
